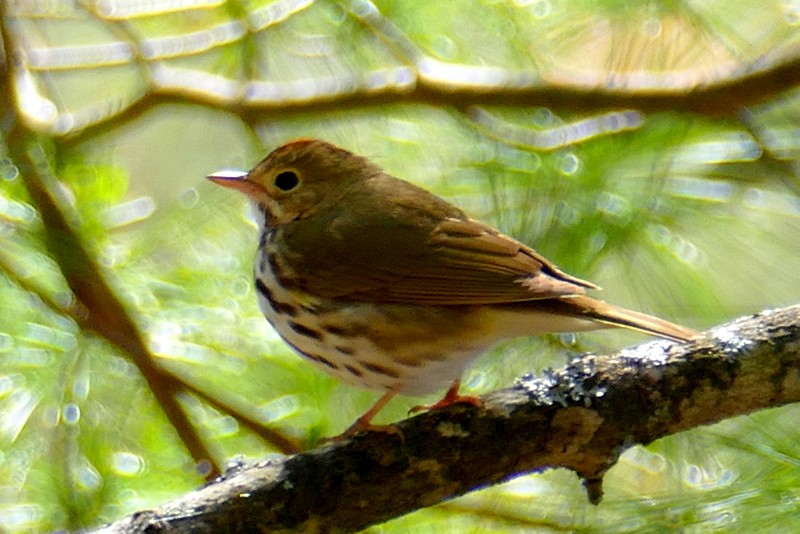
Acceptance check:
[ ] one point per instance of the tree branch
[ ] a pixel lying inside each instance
(581, 417)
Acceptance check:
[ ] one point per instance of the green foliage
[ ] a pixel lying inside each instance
(681, 214)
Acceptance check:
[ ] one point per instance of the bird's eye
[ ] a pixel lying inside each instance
(286, 180)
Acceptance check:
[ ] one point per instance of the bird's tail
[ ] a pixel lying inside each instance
(602, 312)
(597, 311)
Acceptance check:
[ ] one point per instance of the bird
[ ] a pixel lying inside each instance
(389, 287)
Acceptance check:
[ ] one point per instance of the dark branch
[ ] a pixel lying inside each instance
(581, 417)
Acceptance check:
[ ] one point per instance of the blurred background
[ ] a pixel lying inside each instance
(650, 147)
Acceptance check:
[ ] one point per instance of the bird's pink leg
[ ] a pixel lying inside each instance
(451, 397)
(362, 424)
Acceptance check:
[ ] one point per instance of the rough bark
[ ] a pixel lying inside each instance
(581, 417)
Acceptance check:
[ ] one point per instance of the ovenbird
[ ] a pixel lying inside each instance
(389, 287)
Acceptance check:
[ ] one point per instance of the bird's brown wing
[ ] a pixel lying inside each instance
(467, 262)
(434, 256)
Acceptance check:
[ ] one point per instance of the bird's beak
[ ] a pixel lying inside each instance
(237, 180)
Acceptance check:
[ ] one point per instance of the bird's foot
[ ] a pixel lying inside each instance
(362, 424)
(357, 428)
(451, 397)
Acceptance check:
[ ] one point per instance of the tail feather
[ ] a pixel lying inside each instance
(609, 314)
(605, 313)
